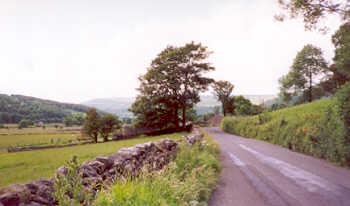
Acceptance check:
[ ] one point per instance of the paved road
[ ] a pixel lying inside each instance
(256, 173)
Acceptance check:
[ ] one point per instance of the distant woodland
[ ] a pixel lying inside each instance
(15, 108)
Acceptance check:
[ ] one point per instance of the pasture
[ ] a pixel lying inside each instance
(21, 167)
(14, 137)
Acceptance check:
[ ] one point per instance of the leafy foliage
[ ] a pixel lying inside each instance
(308, 64)
(75, 119)
(15, 108)
(343, 101)
(341, 41)
(222, 91)
(108, 123)
(172, 82)
(313, 11)
(316, 129)
(91, 124)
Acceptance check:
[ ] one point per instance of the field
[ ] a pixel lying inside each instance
(315, 129)
(14, 137)
(21, 167)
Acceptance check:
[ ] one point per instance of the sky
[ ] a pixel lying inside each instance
(74, 51)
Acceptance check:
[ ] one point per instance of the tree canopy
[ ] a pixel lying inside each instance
(172, 82)
(313, 11)
(307, 66)
(91, 124)
(341, 41)
(222, 91)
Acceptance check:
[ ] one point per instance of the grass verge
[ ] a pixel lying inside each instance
(315, 129)
(188, 180)
(21, 167)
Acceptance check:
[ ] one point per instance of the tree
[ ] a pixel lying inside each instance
(107, 124)
(91, 124)
(341, 41)
(243, 106)
(150, 113)
(173, 82)
(68, 121)
(313, 11)
(222, 91)
(308, 64)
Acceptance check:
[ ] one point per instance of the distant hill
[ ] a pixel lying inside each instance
(14, 108)
(120, 105)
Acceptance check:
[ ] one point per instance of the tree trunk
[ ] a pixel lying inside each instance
(223, 109)
(310, 88)
(184, 116)
(176, 114)
(105, 139)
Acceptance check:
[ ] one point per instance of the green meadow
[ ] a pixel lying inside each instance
(21, 167)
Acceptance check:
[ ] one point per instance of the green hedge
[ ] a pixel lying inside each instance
(317, 129)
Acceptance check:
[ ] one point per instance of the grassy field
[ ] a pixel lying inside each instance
(315, 129)
(14, 137)
(24, 166)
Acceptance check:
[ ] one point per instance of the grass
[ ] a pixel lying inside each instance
(21, 167)
(315, 129)
(14, 137)
(188, 180)
(21, 140)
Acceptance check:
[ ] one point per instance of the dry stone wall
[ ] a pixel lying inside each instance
(99, 171)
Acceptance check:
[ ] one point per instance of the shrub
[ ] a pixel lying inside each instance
(343, 100)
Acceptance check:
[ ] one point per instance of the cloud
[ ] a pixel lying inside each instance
(75, 51)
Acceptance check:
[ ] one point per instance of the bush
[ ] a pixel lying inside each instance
(316, 129)
(343, 101)
(25, 123)
(189, 178)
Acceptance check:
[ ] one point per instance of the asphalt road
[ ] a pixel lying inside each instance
(256, 173)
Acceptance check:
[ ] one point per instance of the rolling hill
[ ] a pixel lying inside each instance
(14, 108)
(120, 105)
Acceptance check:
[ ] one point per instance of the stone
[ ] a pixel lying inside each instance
(108, 163)
(10, 199)
(101, 170)
(88, 171)
(62, 171)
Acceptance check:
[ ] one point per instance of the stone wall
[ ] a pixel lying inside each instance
(99, 171)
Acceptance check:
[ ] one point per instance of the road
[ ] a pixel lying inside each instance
(256, 173)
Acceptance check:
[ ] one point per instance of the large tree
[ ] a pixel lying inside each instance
(175, 79)
(91, 124)
(107, 124)
(222, 91)
(307, 67)
(341, 41)
(313, 11)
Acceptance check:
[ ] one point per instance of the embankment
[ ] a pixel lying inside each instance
(316, 129)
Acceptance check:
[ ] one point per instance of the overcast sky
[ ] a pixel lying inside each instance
(77, 50)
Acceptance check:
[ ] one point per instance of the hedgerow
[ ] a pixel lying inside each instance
(318, 129)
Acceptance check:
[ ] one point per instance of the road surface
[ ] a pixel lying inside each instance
(256, 173)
